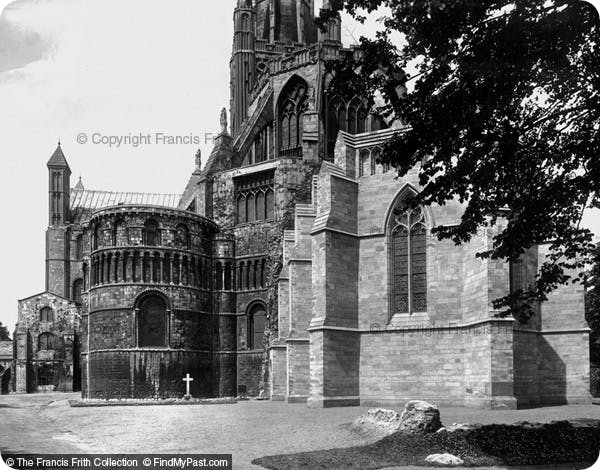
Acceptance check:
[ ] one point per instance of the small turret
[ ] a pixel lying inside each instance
(59, 185)
(198, 160)
(333, 32)
(243, 61)
(79, 186)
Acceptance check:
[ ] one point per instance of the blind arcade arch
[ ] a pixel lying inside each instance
(152, 320)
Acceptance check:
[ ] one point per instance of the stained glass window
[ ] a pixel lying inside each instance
(408, 260)
(291, 111)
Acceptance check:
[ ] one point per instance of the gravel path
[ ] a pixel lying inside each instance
(247, 429)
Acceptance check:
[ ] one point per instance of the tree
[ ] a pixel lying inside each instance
(592, 307)
(503, 114)
(4, 335)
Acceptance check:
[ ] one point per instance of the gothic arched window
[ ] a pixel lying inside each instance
(47, 314)
(293, 104)
(152, 323)
(344, 116)
(375, 165)
(335, 106)
(408, 260)
(46, 342)
(256, 326)
(245, 22)
(364, 163)
(356, 116)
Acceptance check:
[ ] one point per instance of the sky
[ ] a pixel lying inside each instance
(105, 68)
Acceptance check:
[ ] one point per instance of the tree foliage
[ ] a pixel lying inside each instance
(4, 335)
(592, 307)
(503, 114)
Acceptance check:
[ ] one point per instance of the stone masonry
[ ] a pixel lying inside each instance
(289, 267)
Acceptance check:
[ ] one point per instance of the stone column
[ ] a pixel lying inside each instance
(21, 385)
(192, 279)
(139, 268)
(128, 261)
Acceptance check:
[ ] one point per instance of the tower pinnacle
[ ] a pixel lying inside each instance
(223, 120)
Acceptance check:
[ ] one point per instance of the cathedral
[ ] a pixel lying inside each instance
(288, 267)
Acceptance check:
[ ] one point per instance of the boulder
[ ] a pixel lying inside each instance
(377, 422)
(420, 417)
(447, 460)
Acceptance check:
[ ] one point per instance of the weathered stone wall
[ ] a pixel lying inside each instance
(147, 373)
(249, 366)
(60, 363)
(57, 261)
(200, 340)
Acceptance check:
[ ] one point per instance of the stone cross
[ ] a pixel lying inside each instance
(187, 381)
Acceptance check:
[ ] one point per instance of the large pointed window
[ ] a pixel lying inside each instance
(408, 260)
(292, 106)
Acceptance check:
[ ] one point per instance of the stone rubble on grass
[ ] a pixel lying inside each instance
(448, 460)
(459, 427)
(377, 422)
(420, 417)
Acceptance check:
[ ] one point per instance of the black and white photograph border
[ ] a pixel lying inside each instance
(300, 234)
